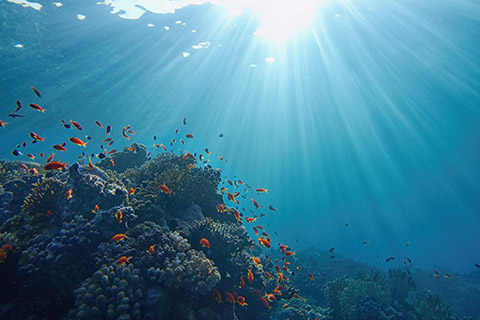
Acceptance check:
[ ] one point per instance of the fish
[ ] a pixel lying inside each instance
(108, 129)
(408, 244)
(165, 189)
(118, 237)
(98, 123)
(14, 115)
(69, 194)
(76, 125)
(112, 151)
(96, 209)
(242, 283)
(250, 220)
(256, 260)
(220, 135)
(163, 147)
(389, 259)
(366, 242)
(264, 242)
(19, 106)
(255, 203)
(311, 276)
(230, 196)
(185, 120)
(119, 216)
(260, 190)
(189, 135)
(31, 156)
(50, 157)
(272, 208)
(16, 153)
(131, 191)
(205, 243)
(112, 163)
(88, 137)
(36, 107)
(250, 276)
(477, 265)
(218, 296)
(331, 250)
(289, 253)
(270, 297)
(66, 125)
(36, 137)
(60, 147)
(255, 230)
(124, 132)
(268, 275)
(241, 301)
(221, 208)
(207, 151)
(265, 302)
(230, 297)
(151, 249)
(54, 165)
(123, 260)
(78, 142)
(37, 93)
(90, 164)
(409, 260)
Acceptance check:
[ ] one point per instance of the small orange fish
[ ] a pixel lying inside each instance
(69, 194)
(122, 260)
(261, 228)
(241, 301)
(37, 93)
(270, 297)
(151, 249)
(204, 242)
(221, 208)
(250, 276)
(218, 296)
(112, 163)
(36, 137)
(181, 140)
(132, 148)
(278, 269)
(131, 191)
(31, 156)
(33, 171)
(165, 189)
(311, 276)
(37, 107)
(230, 297)
(156, 145)
(256, 260)
(54, 165)
(119, 216)
(237, 215)
(255, 230)
(289, 253)
(78, 142)
(269, 276)
(124, 132)
(242, 283)
(250, 220)
(189, 135)
(112, 151)
(50, 157)
(230, 196)
(265, 302)
(60, 147)
(163, 147)
(255, 203)
(259, 190)
(98, 123)
(131, 132)
(76, 125)
(90, 164)
(96, 209)
(118, 237)
(3, 123)
(264, 242)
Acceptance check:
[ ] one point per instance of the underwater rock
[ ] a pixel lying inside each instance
(186, 217)
(125, 159)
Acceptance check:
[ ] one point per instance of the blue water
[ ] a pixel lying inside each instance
(370, 118)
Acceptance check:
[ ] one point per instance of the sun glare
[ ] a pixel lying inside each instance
(279, 19)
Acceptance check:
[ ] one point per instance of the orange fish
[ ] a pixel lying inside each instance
(230, 297)
(163, 147)
(256, 260)
(110, 143)
(118, 237)
(124, 132)
(241, 301)
(165, 189)
(242, 283)
(131, 132)
(181, 140)
(255, 230)
(156, 145)
(132, 148)
(264, 242)
(221, 208)
(54, 165)
(131, 191)
(68, 194)
(230, 196)
(50, 157)
(78, 142)
(204, 242)
(60, 147)
(289, 253)
(119, 216)
(189, 135)
(280, 277)
(36, 137)
(37, 107)
(112, 151)
(33, 171)
(278, 290)
(37, 93)
(3, 123)
(250, 220)
(261, 228)
(265, 302)
(255, 203)
(151, 249)
(311, 276)
(96, 209)
(207, 151)
(98, 123)
(261, 190)
(278, 269)
(269, 276)
(76, 125)
(218, 296)
(31, 156)
(90, 164)
(237, 215)
(112, 163)
(122, 260)
(270, 297)
(250, 275)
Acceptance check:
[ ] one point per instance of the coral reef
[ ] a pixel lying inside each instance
(128, 157)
